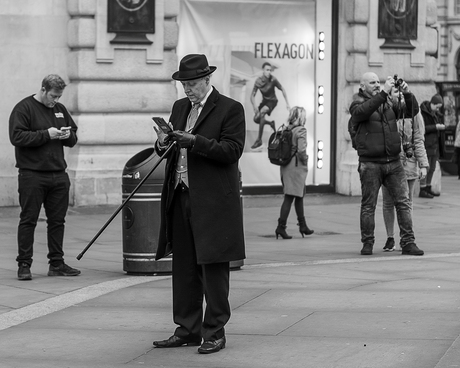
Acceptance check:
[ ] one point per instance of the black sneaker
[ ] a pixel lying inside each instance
(424, 194)
(389, 245)
(412, 250)
(24, 272)
(63, 270)
(367, 250)
(431, 191)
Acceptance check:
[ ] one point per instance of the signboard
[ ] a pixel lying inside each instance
(131, 20)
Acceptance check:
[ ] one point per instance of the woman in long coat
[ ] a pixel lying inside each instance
(294, 174)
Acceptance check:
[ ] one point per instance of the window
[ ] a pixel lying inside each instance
(457, 7)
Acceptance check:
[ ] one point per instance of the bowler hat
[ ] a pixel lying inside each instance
(193, 66)
(436, 99)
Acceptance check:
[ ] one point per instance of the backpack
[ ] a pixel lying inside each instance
(280, 146)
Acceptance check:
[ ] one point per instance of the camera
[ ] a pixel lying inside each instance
(408, 149)
(398, 81)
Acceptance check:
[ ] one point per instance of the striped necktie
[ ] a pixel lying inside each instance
(193, 117)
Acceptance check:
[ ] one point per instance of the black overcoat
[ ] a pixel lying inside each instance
(213, 176)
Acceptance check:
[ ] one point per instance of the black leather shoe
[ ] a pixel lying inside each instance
(175, 342)
(212, 346)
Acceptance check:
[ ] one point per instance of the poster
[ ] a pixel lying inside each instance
(263, 49)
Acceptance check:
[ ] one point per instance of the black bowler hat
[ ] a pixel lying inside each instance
(193, 66)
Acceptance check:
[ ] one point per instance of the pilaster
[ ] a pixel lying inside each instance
(114, 91)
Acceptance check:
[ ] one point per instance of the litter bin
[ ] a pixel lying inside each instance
(446, 150)
(141, 215)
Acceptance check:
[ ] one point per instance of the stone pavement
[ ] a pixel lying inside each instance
(310, 302)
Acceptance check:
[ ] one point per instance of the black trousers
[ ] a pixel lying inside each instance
(192, 281)
(50, 189)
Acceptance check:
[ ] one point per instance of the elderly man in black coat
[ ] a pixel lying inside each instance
(202, 221)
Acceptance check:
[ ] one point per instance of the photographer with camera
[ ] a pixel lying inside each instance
(378, 144)
(431, 117)
(413, 159)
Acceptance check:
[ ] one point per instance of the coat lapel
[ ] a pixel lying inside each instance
(207, 108)
(182, 121)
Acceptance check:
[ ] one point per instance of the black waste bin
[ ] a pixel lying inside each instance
(141, 215)
(446, 150)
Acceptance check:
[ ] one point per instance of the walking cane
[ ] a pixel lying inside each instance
(125, 201)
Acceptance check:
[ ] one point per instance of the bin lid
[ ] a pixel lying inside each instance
(138, 166)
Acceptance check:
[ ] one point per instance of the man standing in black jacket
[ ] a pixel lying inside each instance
(378, 144)
(40, 127)
(430, 113)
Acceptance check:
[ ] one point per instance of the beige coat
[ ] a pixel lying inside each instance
(294, 174)
(411, 165)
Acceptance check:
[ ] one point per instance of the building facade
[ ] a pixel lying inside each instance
(117, 82)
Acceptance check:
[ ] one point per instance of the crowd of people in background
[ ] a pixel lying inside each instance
(397, 143)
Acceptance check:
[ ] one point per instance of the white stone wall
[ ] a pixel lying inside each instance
(33, 44)
(112, 93)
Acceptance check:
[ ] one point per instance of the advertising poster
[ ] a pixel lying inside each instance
(264, 51)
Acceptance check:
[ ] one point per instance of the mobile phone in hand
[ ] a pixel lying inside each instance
(162, 124)
(63, 129)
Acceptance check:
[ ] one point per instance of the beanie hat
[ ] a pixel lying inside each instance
(436, 99)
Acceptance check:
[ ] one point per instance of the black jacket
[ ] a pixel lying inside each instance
(374, 118)
(28, 128)
(431, 133)
(213, 175)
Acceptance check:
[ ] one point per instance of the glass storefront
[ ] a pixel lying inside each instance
(272, 50)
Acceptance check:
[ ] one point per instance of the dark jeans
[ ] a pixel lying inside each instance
(50, 189)
(391, 175)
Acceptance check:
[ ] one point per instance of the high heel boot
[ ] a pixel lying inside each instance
(281, 230)
(303, 228)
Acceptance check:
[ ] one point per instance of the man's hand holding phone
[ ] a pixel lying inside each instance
(162, 130)
(64, 133)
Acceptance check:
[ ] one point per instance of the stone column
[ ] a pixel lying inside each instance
(359, 51)
(114, 90)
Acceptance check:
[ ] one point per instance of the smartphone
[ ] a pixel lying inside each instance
(65, 128)
(162, 124)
